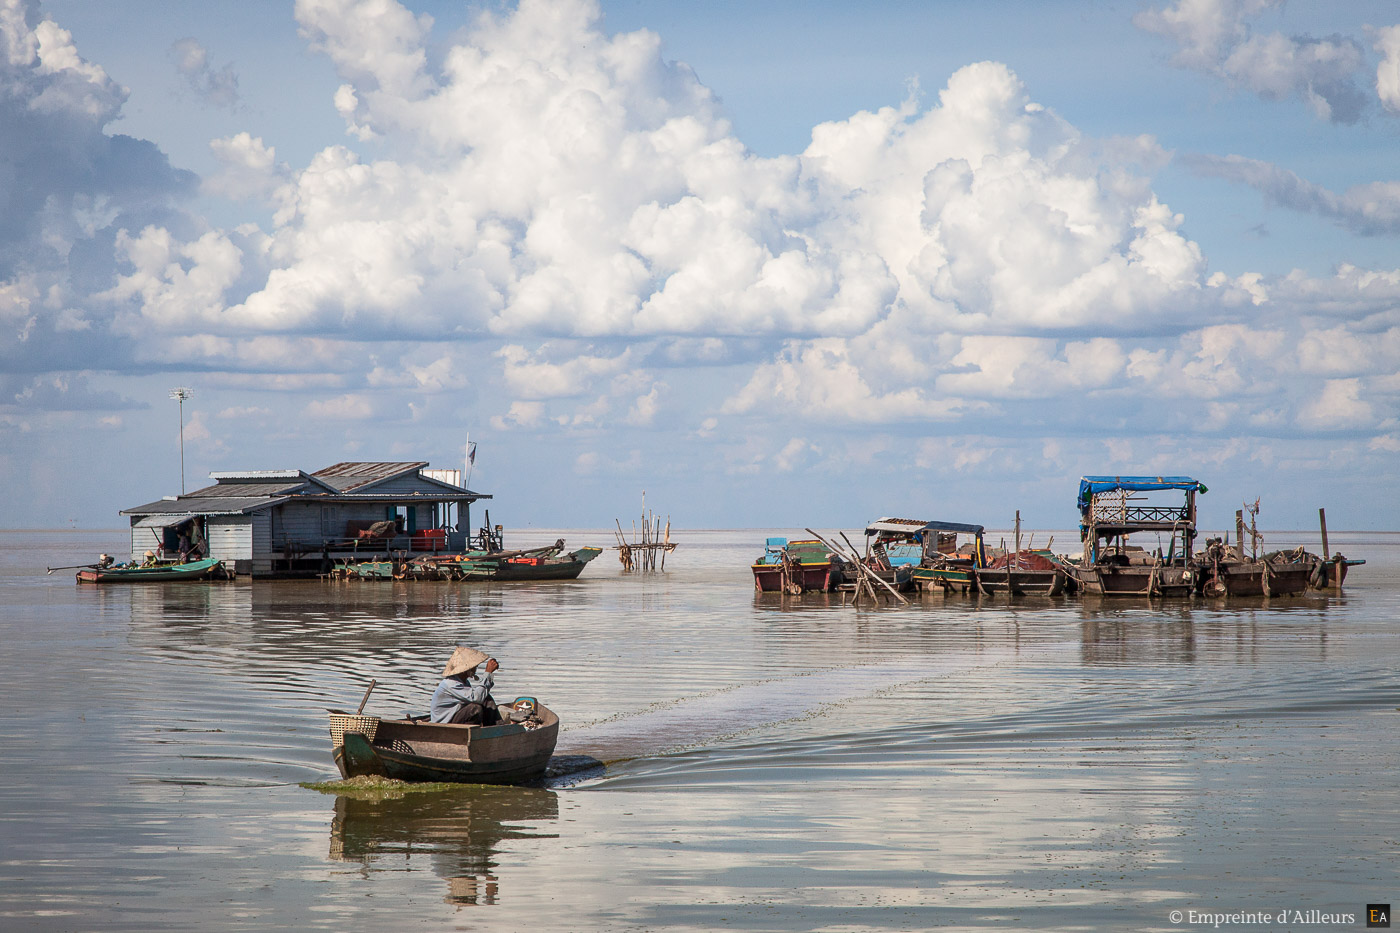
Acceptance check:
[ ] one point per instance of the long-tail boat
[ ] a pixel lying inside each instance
(155, 573)
(1109, 514)
(416, 749)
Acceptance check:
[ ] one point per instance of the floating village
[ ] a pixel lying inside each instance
(403, 521)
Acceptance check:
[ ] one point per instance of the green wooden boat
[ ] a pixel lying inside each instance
(156, 573)
(415, 749)
(567, 567)
(539, 564)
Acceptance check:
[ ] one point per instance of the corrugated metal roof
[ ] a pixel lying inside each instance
(352, 474)
(163, 521)
(443, 495)
(895, 524)
(241, 493)
(246, 490)
(255, 476)
(207, 505)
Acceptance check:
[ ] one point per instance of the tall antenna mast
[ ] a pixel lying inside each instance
(180, 393)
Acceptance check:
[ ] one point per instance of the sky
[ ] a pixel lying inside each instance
(770, 265)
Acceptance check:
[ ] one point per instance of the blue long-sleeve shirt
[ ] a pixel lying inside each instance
(455, 692)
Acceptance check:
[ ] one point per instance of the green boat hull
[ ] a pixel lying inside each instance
(193, 571)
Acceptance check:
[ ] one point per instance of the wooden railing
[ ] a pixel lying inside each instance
(1108, 513)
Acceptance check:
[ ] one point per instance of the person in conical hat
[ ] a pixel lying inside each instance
(460, 697)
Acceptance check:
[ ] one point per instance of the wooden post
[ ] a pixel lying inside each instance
(1322, 520)
(1239, 534)
(667, 542)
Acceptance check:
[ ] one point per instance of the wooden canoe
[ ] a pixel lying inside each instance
(419, 750)
(158, 573)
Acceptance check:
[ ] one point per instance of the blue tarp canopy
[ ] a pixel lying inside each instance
(1089, 486)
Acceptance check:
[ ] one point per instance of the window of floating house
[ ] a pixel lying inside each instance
(405, 516)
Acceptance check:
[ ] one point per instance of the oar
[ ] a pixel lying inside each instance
(365, 699)
(75, 567)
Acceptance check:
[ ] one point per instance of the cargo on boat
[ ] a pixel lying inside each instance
(1024, 573)
(416, 749)
(1110, 514)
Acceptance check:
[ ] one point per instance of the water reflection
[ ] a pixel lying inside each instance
(459, 832)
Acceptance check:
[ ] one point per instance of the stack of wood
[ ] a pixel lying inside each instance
(643, 553)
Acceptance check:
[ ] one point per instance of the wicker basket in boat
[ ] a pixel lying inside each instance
(342, 723)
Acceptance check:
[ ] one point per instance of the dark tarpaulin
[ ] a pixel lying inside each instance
(1089, 486)
(953, 526)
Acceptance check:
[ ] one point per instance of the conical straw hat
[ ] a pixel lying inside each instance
(463, 659)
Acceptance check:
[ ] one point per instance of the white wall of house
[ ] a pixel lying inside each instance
(143, 540)
(230, 539)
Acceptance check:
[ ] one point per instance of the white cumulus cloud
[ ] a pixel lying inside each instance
(1388, 71)
(1215, 37)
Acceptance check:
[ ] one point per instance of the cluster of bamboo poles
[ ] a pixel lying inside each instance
(865, 584)
(642, 553)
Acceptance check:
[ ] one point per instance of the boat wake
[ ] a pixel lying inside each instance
(725, 715)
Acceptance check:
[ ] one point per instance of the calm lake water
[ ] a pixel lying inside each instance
(772, 764)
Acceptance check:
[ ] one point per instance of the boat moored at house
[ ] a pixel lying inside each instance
(543, 563)
(153, 572)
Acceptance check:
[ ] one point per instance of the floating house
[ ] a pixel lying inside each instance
(287, 523)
